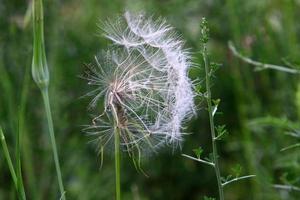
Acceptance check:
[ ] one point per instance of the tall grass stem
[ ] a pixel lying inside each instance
(25, 137)
(17, 184)
(7, 157)
(18, 163)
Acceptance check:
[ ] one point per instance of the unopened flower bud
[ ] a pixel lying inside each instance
(40, 71)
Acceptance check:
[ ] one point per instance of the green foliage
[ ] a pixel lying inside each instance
(198, 152)
(237, 170)
(208, 198)
(221, 132)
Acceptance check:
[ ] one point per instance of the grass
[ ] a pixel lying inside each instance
(265, 31)
(16, 176)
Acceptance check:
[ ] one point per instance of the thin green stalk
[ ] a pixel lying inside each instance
(8, 159)
(53, 142)
(20, 191)
(25, 142)
(260, 65)
(40, 74)
(20, 132)
(117, 163)
(18, 164)
(211, 121)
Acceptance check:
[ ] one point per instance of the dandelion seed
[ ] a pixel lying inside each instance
(143, 82)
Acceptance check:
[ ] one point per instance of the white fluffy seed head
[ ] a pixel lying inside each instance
(144, 83)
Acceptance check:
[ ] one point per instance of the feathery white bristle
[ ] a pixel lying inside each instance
(146, 77)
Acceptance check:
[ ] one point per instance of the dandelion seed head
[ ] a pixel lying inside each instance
(143, 81)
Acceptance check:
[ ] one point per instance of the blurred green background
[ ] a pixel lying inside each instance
(257, 107)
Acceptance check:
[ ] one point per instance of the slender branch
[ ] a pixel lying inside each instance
(295, 134)
(53, 141)
(211, 121)
(237, 179)
(199, 160)
(291, 147)
(219, 136)
(260, 65)
(286, 187)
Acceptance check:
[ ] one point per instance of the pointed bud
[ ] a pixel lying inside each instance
(40, 72)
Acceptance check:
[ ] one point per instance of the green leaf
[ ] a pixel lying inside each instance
(198, 89)
(198, 152)
(236, 170)
(216, 102)
(221, 132)
(214, 67)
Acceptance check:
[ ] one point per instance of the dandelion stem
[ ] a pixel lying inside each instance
(211, 121)
(117, 162)
(53, 142)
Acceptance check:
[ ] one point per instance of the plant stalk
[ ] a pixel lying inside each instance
(53, 141)
(211, 122)
(117, 163)
(26, 139)
(18, 162)
(19, 187)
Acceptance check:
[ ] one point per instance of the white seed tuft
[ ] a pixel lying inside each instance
(144, 82)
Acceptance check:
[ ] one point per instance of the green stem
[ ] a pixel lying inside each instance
(18, 163)
(8, 159)
(211, 121)
(53, 142)
(117, 163)
(26, 140)
(10, 165)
